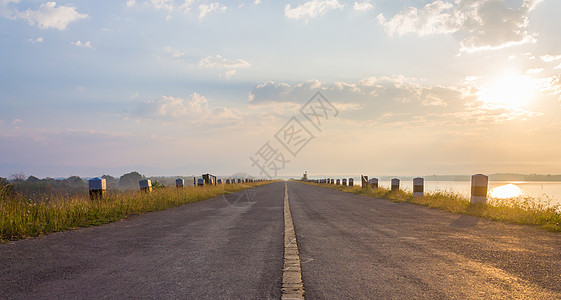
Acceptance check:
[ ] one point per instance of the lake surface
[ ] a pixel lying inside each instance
(543, 190)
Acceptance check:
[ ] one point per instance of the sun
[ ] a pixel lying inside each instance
(509, 90)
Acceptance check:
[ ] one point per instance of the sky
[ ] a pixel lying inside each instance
(276, 88)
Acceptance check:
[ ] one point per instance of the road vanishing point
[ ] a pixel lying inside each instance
(242, 246)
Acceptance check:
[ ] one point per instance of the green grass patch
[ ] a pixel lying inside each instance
(21, 218)
(519, 210)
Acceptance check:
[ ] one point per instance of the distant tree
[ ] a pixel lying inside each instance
(32, 179)
(18, 177)
(130, 180)
(75, 181)
(157, 185)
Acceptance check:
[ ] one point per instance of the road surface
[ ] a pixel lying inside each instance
(224, 248)
(351, 247)
(363, 248)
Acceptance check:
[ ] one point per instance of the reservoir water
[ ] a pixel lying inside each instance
(549, 191)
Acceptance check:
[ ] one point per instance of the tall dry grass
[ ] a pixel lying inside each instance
(519, 210)
(21, 218)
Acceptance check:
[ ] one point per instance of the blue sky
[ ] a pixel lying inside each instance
(182, 87)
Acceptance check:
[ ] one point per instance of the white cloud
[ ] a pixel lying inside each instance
(257, 2)
(131, 3)
(534, 71)
(174, 52)
(163, 4)
(431, 19)
(186, 6)
(311, 9)
(194, 109)
(229, 74)
(220, 62)
(81, 44)
(37, 40)
(5, 10)
(175, 107)
(363, 6)
(169, 5)
(205, 9)
(484, 24)
(50, 16)
(409, 100)
(550, 58)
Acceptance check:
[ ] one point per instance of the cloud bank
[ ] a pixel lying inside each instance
(482, 24)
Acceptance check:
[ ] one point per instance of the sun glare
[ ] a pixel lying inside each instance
(510, 90)
(505, 191)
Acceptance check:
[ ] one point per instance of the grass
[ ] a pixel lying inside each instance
(21, 218)
(519, 210)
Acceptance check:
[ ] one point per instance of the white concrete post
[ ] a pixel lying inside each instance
(344, 181)
(479, 185)
(373, 183)
(200, 182)
(338, 182)
(97, 187)
(418, 187)
(179, 183)
(145, 185)
(395, 184)
(351, 182)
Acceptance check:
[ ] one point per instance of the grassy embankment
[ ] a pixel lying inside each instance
(520, 210)
(20, 218)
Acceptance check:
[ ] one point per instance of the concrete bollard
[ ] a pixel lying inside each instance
(338, 182)
(351, 182)
(332, 181)
(344, 181)
(219, 181)
(418, 187)
(395, 184)
(227, 181)
(97, 187)
(179, 183)
(145, 185)
(239, 181)
(373, 183)
(200, 182)
(364, 182)
(479, 185)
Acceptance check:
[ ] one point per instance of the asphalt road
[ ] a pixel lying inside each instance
(224, 248)
(355, 247)
(351, 247)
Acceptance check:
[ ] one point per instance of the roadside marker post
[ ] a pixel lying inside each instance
(395, 184)
(179, 183)
(479, 186)
(97, 187)
(418, 187)
(145, 185)
(373, 183)
(364, 182)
